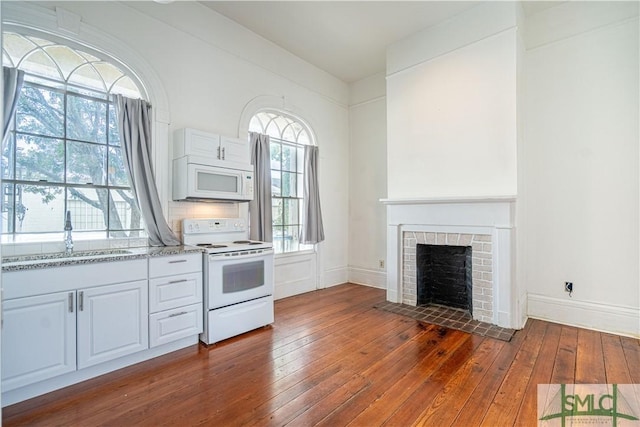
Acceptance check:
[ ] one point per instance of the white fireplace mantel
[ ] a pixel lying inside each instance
(494, 216)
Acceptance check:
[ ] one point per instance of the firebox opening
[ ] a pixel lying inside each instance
(444, 276)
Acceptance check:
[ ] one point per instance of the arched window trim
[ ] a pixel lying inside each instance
(101, 55)
(292, 117)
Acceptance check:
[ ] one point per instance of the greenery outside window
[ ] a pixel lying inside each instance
(63, 152)
(288, 137)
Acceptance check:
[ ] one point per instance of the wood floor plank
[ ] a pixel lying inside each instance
(564, 367)
(528, 413)
(589, 358)
(477, 404)
(632, 355)
(331, 358)
(615, 362)
(506, 403)
(461, 384)
(421, 388)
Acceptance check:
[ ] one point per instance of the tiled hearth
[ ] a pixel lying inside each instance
(481, 264)
(485, 224)
(449, 318)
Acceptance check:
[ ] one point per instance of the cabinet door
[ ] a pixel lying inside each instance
(234, 150)
(112, 322)
(38, 338)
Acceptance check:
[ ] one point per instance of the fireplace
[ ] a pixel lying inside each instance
(443, 276)
(484, 224)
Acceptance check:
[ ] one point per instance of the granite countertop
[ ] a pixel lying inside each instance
(60, 259)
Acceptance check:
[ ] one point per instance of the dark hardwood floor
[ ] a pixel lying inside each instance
(331, 359)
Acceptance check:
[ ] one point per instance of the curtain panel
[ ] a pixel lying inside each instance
(260, 214)
(12, 81)
(134, 126)
(312, 228)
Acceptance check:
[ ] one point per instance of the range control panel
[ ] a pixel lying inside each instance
(213, 225)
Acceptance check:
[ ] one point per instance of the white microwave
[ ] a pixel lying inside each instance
(194, 179)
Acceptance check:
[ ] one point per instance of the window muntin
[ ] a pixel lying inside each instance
(63, 152)
(288, 137)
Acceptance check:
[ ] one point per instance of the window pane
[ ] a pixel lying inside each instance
(39, 158)
(289, 158)
(86, 163)
(114, 135)
(66, 58)
(275, 155)
(39, 63)
(86, 119)
(290, 238)
(117, 173)
(8, 198)
(289, 185)
(89, 208)
(277, 214)
(276, 183)
(87, 76)
(40, 111)
(125, 214)
(7, 156)
(291, 212)
(278, 245)
(39, 208)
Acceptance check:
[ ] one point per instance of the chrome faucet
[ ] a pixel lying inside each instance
(68, 240)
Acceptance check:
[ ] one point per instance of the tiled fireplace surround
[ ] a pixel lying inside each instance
(485, 224)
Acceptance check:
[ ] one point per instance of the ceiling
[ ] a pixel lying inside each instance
(347, 39)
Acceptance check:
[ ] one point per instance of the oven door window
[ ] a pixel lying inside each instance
(242, 276)
(208, 181)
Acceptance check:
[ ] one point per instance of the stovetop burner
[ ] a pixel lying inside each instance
(247, 242)
(210, 245)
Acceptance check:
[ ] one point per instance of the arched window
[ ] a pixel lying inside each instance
(288, 137)
(63, 152)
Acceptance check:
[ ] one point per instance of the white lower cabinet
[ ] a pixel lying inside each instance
(48, 335)
(38, 338)
(175, 298)
(112, 322)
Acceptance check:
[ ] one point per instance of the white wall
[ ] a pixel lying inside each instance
(210, 69)
(451, 108)
(367, 181)
(580, 160)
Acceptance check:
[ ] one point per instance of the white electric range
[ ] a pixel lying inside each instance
(238, 277)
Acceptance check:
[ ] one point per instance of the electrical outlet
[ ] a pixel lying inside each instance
(381, 263)
(568, 287)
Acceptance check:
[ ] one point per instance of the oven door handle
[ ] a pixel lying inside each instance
(223, 257)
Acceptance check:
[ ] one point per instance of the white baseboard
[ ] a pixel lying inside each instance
(600, 317)
(335, 276)
(368, 277)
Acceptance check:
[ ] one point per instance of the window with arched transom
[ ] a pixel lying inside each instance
(63, 152)
(288, 136)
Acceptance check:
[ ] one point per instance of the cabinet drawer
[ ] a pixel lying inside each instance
(177, 264)
(174, 291)
(172, 325)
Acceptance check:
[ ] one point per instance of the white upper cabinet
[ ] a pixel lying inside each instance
(210, 147)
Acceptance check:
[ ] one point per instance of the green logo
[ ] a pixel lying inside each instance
(592, 404)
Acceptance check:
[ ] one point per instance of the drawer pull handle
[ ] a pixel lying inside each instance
(178, 314)
(177, 281)
(177, 261)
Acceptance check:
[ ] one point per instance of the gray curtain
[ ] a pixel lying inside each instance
(312, 229)
(260, 207)
(12, 80)
(134, 126)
